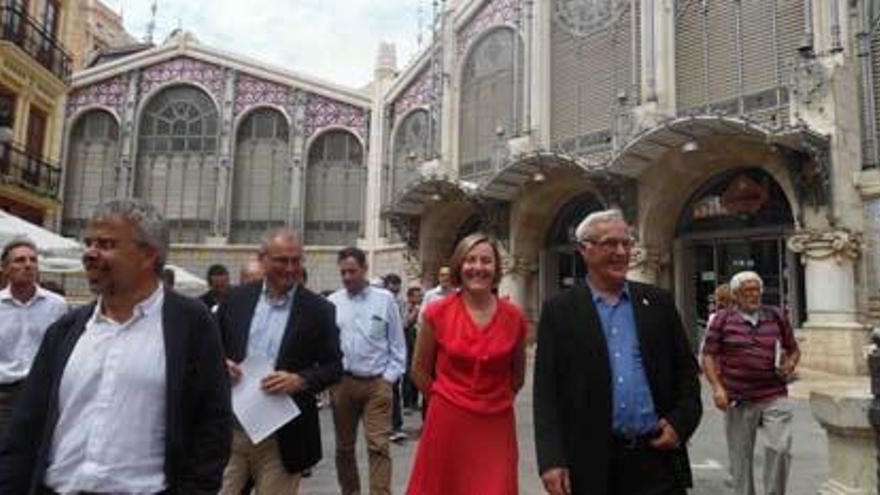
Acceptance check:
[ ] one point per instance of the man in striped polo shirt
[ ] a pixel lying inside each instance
(749, 354)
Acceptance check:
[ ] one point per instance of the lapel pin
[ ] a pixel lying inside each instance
(645, 301)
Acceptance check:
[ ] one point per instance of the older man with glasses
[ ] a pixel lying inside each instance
(616, 395)
(749, 354)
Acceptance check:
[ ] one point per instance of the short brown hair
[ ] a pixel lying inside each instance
(16, 242)
(463, 248)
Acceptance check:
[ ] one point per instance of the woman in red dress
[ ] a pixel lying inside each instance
(470, 361)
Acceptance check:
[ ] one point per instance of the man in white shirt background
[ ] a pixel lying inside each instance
(374, 356)
(443, 288)
(129, 394)
(26, 311)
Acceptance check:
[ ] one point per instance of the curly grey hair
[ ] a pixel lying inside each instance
(148, 223)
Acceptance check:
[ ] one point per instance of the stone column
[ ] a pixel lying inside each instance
(127, 168)
(223, 168)
(644, 264)
(515, 270)
(835, 340)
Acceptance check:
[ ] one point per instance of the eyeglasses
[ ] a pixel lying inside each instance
(612, 243)
(286, 260)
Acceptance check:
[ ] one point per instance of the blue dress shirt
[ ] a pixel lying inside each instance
(370, 333)
(633, 406)
(269, 322)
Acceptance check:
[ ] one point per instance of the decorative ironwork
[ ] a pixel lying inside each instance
(586, 17)
(407, 227)
(494, 218)
(262, 176)
(92, 168)
(336, 183)
(619, 192)
(410, 149)
(184, 69)
(841, 245)
(28, 171)
(32, 37)
(810, 170)
(177, 166)
(108, 93)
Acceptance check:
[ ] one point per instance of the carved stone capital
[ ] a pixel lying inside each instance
(841, 245)
(516, 265)
(645, 257)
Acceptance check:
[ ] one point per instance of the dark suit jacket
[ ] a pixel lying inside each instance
(198, 412)
(310, 347)
(572, 387)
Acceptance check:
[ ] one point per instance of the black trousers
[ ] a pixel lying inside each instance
(639, 469)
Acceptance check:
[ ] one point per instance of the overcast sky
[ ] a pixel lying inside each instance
(330, 39)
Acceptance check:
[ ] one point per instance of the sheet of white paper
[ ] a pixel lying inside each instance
(259, 413)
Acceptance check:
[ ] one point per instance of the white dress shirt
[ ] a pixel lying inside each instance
(22, 326)
(110, 435)
(370, 333)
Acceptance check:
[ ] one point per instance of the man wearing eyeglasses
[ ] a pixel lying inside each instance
(279, 319)
(616, 394)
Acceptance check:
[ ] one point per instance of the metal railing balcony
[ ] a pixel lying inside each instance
(31, 36)
(29, 171)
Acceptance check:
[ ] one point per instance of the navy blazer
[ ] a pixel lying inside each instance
(309, 347)
(572, 385)
(198, 417)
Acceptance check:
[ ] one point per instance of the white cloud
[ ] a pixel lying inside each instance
(332, 39)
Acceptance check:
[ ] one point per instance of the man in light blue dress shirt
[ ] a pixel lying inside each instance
(374, 357)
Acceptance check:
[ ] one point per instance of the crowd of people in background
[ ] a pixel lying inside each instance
(131, 393)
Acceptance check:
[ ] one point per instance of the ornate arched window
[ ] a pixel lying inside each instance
(410, 149)
(336, 184)
(92, 168)
(261, 180)
(177, 157)
(491, 101)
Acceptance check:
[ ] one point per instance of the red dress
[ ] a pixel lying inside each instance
(468, 444)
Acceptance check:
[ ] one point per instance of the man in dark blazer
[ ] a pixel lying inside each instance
(295, 329)
(616, 393)
(129, 393)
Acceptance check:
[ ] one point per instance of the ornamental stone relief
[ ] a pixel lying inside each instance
(586, 17)
(840, 245)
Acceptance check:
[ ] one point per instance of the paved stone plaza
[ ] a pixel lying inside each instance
(708, 450)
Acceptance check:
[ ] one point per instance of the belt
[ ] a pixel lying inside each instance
(11, 386)
(634, 442)
(364, 378)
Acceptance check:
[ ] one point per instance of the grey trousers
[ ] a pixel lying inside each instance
(741, 425)
(8, 395)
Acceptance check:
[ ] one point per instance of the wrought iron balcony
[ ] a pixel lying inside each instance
(28, 171)
(29, 35)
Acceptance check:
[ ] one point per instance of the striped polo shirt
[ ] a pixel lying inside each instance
(747, 353)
